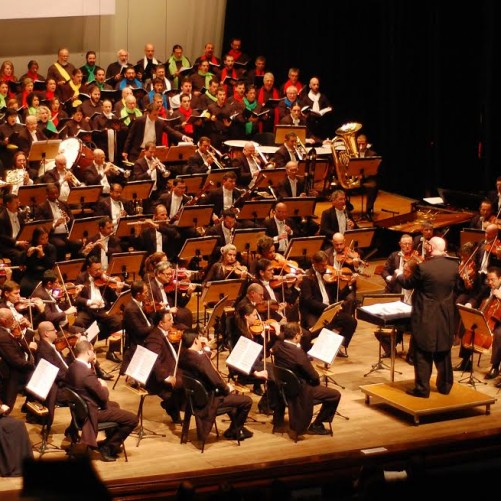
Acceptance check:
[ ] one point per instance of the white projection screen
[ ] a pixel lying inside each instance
(31, 9)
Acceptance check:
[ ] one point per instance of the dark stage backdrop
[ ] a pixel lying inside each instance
(419, 76)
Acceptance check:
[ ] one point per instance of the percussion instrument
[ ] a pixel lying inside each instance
(76, 153)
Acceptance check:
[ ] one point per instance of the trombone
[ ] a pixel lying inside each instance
(267, 164)
(300, 149)
(213, 153)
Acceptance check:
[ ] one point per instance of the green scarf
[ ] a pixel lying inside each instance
(173, 68)
(125, 113)
(90, 73)
(249, 126)
(208, 77)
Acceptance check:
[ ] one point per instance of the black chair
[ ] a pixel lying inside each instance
(80, 414)
(197, 397)
(289, 386)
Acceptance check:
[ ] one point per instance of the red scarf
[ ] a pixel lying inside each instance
(298, 86)
(224, 74)
(261, 100)
(188, 128)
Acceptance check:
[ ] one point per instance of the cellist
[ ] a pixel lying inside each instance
(488, 300)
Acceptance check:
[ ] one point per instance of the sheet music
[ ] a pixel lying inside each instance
(388, 311)
(326, 346)
(244, 355)
(92, 331)
(141, 364)
(42, 379)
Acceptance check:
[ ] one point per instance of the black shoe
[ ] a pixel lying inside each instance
(416, 393)
(176, 417)
(104, 375)
(245, 433)
(463, 366)
(317, 429)
(492, 374)
(111, 355)
(343, 352)
(368, 216)
(106, 455)
(409, 360)
(257, 390)
(386, 355)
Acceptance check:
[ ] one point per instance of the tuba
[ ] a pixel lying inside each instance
(344, 146)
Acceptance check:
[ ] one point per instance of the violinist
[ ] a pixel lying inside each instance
(150, 263)
(228, 267)
(488, 300)
(16, 358)
(489, 252)
(224, 230)
(137, 323)
(59, 309)
(316, 294)
(27, 313)
(266, 249)
(93, 301)
(166, 378)
(166, 293)
(337, 219)
(421, 243)
(47, 350)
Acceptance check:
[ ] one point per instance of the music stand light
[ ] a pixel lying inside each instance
(126, 264)
(26, 233)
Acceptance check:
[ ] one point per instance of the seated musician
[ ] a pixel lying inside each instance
(168, 294)
(103, 173)
(486, 214)
(17, 174)
(94, 300)
(421, 241)
(297, 118)
(224, 230)
(150, 263)
(488, 301)
(249, 165)
(287, 152)
(280, 227)
(292, 186)
(103, 244)
(337, 218)
(489, 250)
(113, 206)
(203, 160)
(62, 176)
(228, 267)
(317, 293)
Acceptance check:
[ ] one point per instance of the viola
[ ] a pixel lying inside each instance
(279, 280)
(65, 341)
(174, 335)
(259, 326)
(342, 276)
(265, 305)
(287, 266)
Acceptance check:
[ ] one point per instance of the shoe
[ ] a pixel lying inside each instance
(498, 385)
(263, 409)
(257, 390)
(343, 353)
(317, 429)
(492, 374)
(386, 355)
(409, 360)
(368, 216)
(34, 419)
(176, 417)
(111, 355)
(106, 455)
(415, 393)
(463, 366)
(231, 434)
(104, 375)
(245, 433)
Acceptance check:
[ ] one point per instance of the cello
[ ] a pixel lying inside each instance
(480, 341)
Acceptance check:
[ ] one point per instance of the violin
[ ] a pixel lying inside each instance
(265, 305)
(106, 281)
(259, 326)
(237, 269)
(180, 282)
(152, 306)
(287, 266)
(65, 341)
(468, 272)
(174, 335)
(343, 276)
(279, 280)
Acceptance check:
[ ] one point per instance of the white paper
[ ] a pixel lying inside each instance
(42, 379)
(141, 364)
(92, 331)
(326, 346)
(434, 200)
(244, 355)
(389, 311)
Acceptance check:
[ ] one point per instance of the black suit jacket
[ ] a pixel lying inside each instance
(215, 198)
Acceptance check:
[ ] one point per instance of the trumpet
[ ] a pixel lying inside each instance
(73, 179)
(118, 170)
(161, 167)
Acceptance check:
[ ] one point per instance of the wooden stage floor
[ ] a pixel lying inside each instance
(372, 434)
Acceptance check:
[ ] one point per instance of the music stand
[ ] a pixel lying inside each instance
(326, 317)
(43, 150)
(181, 153)
(471, 235)
(81, 195)
(303, 247)
(281, 130)
(256, 209)
(160, 153)
(26, 232)
(69, 270)
(195, 216)
(362, 237)
(127, 263)
(83, 228)
(215, 321)
(300, 206)
(34, 194)
(137, 190)
(245, 239)
(117, 308)
(194, 182)
(473, 320)
(363, 167)
(272, 177)
(216, 176)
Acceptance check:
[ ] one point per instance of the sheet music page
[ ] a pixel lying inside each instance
(326, 346)
(92, 331)
(141, 364)
(42, 379)
(395, 309)
(244, 355)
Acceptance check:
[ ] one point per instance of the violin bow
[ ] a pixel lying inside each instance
(177, 358)
(62, 284)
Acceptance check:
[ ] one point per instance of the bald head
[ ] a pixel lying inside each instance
(438, 246)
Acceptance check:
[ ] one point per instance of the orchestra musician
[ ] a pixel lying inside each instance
(225, 231)
(227, 267)
(195, 363)
(62, 176)
(317, 293)
(166, 378)
(422, 242)
(485, 215)
(337, 219)
(18, 175)
(203, 160)
(224, 197)
(249, 165)
(489, 252)
(488, 301)
(114, 208)
(288, 151)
